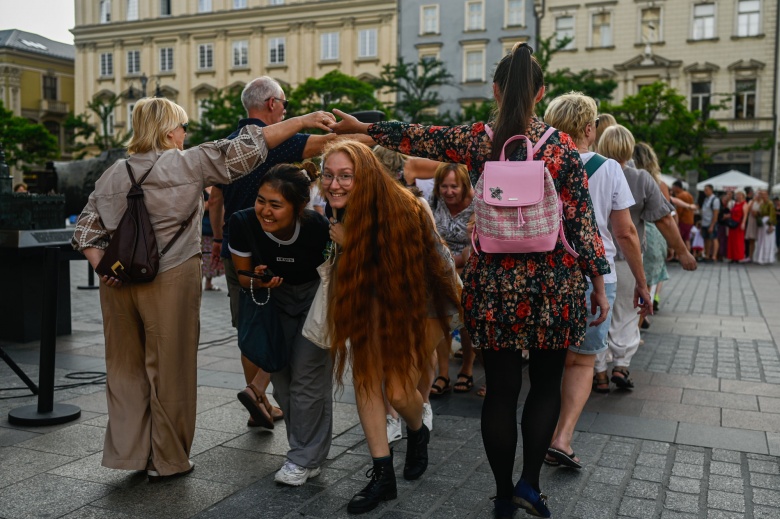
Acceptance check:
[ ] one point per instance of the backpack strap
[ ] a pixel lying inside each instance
(594, 163)
(176, 236)
(530, 151)
(132, 177)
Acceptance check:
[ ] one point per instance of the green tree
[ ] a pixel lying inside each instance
(25, 142)
(470, 114)
(87, 136)
(659, 115)
(416, 86)
(221, 112)
(333, 90)
(562, 81)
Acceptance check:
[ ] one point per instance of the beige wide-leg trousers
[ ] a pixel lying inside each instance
(152, 332)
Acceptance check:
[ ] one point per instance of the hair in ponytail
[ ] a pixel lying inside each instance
(519, 78)
(293, 181)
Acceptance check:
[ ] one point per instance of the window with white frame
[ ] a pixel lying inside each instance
(165, 7)
(107, 64)
(276, 53)
(514, 15)
(564, 28)
(701, 92)
(367, 43)
(429, 19)
(240, 53)
(275, 2)
(166, 59)
(202, 109)
(703, 22)
(204, 6)
(474, 65)
(748, 17)
(105, 11)
(206, 56)
(601, 29)
(475, 16)
(329, 46)
(745, 100)
(132, 10)
(108, 129)
(239, 4)
(133, 62)
(130, 107)
(650, 22)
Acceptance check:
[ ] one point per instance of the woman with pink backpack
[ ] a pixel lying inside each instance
(536, 239)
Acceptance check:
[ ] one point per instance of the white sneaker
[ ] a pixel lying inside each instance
(393, 429)
(428, 415)
(295, 475)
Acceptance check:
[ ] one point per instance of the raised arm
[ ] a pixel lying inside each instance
(316, 143)
(276, 134)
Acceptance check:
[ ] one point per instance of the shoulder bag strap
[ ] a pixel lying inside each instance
(132, 177)
(182, 227)
(594, 163)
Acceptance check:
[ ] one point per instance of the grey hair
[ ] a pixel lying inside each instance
(258, 91)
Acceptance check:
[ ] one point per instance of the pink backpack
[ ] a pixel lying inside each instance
(516, 206)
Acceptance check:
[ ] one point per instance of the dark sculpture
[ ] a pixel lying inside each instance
(76, 179)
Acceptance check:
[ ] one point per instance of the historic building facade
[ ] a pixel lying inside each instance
(36, 80)
(709, 50)
(468, 36)
(187, 49)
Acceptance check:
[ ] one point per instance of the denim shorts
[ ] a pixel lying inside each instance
(596, 337)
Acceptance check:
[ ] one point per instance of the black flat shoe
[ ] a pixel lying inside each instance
(382, 487)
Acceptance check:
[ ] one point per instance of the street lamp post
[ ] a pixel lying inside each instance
(144, 79)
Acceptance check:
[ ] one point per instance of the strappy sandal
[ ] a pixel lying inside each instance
(601, 383)
(253, 400)
(437, 390)
(622, 380)
(463, 386)
(482, 391)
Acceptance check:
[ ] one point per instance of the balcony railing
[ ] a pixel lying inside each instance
(54, 107)
(762, 124)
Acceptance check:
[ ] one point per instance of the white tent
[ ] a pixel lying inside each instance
(776, 189)
(731, 180)
(669, 180)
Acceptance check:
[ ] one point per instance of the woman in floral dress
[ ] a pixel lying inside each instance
(533, 301)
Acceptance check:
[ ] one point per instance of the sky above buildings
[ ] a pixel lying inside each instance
(49, 18)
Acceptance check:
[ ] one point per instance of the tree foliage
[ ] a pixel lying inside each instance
(659, 116)
(470, 114)
(333, 90)
(221, 112)
(24, 142)
(416, 87)
(86, 135)
(562, 81)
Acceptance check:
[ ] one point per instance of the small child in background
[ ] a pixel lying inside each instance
(697, 241)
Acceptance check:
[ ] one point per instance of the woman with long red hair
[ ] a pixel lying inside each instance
(393, 295)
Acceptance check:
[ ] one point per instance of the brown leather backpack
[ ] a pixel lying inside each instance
(132, 255)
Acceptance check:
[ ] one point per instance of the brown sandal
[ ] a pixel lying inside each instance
(601, 383)
(255, 402)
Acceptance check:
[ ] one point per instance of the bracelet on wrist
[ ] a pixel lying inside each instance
(217, 240)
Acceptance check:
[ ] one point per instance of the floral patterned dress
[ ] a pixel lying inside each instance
(519, 301)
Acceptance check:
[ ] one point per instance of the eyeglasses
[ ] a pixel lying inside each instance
(185, 126)
(597, 122)
(343, 180)
(284, 102)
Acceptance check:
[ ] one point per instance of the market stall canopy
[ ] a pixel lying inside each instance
(776, 189)
(732, 180)
(669, 180)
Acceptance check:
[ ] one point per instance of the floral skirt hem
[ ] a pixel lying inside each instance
(209, 272)
(497, 336)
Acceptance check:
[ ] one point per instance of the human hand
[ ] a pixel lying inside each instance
(643, 300)
(111, 281)
(687, 261)
(598, 300)
(275, 281)
(348, 124)
(318, 120)
(336, 232)
(216, 253)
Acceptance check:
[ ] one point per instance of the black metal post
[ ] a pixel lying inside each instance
(46, 413)
(16, 369)
(90, 279)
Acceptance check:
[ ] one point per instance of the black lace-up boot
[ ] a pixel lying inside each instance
(380, 488)
(416, 452)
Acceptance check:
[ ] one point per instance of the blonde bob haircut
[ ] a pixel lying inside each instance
(605, 121)
(153, 119)
(392, 160)
(617, 143)
(571, 113)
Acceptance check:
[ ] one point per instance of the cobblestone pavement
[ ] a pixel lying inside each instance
(697, 438)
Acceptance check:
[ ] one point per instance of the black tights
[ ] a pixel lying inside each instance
(503, 373)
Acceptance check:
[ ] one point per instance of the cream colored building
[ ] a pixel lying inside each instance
(707, 49)
(189, 48)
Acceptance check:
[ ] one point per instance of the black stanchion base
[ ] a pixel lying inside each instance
(88, 287)
(29, 415)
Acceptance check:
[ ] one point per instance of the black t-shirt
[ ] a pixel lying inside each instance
(296, 260)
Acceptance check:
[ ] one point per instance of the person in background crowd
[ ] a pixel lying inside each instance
(710, 208)
(504, 295)
(605, 121)
(617, 143)
(211, 269)
(723, 229)
(766, 248)
(684, 211)
(697, 241)
(751, 227)
(265, 103)
(410, 171)
(777, 227)
(736, 250)
(21, 187)
(576, 115)
(279, 236)
(152, 329)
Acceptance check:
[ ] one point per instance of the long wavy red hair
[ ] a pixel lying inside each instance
(388, 271)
